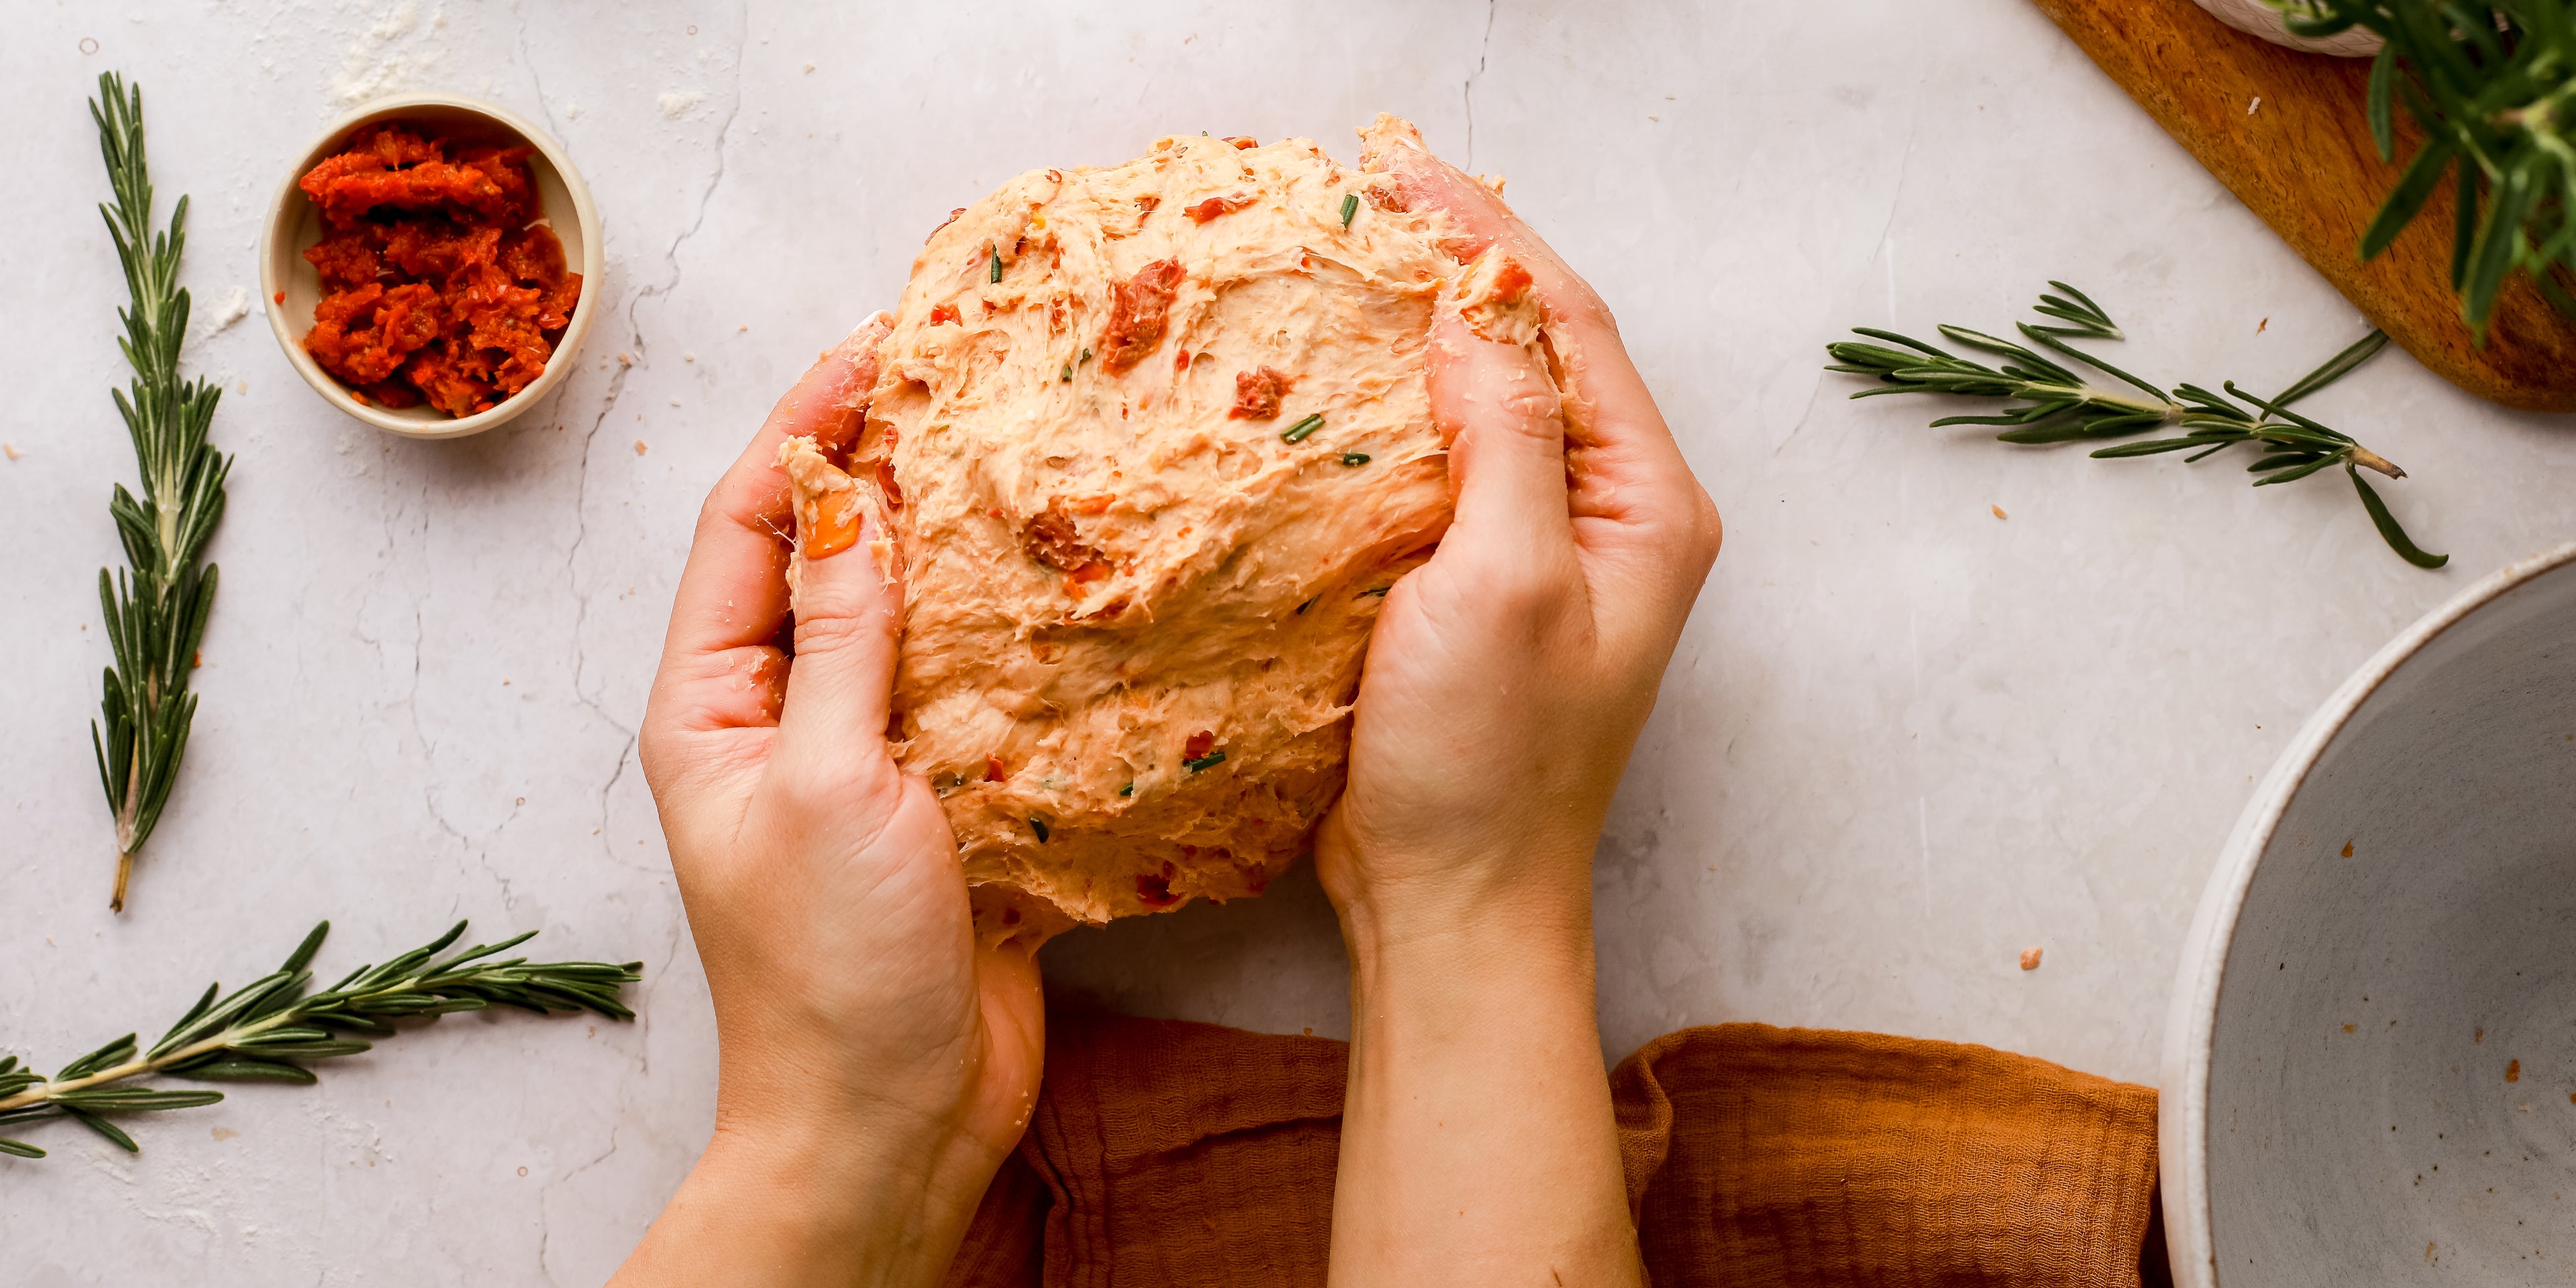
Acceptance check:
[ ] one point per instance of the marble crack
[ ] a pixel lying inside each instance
(545, 1226)
(1887, 226)
(617, 386)
(1467, 92)
(519, 17)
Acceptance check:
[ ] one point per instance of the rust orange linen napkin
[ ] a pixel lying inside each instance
(1165, 1154)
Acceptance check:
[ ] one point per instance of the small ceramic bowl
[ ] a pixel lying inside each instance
(290, 288)
(2370, 1067)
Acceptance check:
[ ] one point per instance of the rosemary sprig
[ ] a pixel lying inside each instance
(156, 609)
(2058, 405)
(264, 1031)
(2494, 86)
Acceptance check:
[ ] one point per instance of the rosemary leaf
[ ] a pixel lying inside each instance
(2493, 84)
(155, 609)
(2050, 403)
(262, 1031)
(2387, 524)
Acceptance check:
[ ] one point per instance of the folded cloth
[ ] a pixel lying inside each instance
(1165, 1154)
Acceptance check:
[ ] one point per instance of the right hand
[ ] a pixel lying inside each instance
(1508, 677)
(1505, 684)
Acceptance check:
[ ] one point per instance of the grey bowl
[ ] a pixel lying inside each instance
(2370, 1068)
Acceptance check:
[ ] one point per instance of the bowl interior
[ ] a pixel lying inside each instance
(297, 227)
(2392, 1087)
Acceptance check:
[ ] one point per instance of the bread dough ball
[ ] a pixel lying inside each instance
(1152, 441)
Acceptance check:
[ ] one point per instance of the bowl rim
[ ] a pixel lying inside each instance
(2182, 1119)
(289, 334)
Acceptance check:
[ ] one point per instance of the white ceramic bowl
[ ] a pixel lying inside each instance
(2370, 1068)
(2261, 19)
(290, 288)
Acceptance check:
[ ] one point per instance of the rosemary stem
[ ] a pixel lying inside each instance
(135, 1068)
(2170, 411)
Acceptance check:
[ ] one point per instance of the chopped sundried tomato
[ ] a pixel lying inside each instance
(886, 485)
(836, 526)
(994, 771)
(945, 313)
(1244, 142)
(1215, 206)
(1155, 890)
(437, 282)
(1051, 539)
(1148, 203)
(1257, 393)
(1181, 360)
(1138, 308)
(1199, 745)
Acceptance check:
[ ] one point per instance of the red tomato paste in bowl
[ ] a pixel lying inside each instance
(441, 281)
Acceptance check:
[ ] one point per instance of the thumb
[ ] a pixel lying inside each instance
(1492, 397)
(847, 591)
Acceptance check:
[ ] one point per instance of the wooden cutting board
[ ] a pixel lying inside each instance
(2304, 161)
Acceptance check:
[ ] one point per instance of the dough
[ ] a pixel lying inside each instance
(1152, 442)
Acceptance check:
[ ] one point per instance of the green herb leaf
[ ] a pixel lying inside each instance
(2406, 200)
(156, 608)
(2054, 406)
(2493, 86)
(1355, 459)
(1350, 207)
(257, 1033)
(2383, 84)
(1303, 429)
(996, 274)
(1038, 825)
(103, 1127)
(2394, 535)
(1208, 761)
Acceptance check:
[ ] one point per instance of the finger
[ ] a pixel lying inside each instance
(734, 591)
(849, 622)
(1627, 468)
(1507, 454)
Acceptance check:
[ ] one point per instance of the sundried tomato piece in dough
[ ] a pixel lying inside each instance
(1257, 393)
(1138, 308)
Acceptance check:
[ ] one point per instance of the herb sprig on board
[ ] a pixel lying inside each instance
(2494, 86)
(156, 608)
(2059, 405)
(268, 1030)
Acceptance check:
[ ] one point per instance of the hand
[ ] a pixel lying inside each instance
(876, 1064)
(1507, 678)
(1505, 684)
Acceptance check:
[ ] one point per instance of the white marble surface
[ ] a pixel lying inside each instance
(1902, 741)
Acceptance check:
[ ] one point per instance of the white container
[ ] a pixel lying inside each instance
(290, 288)
(2263, 20)
(2370, 1067)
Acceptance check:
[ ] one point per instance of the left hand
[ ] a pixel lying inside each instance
(876, 1064)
